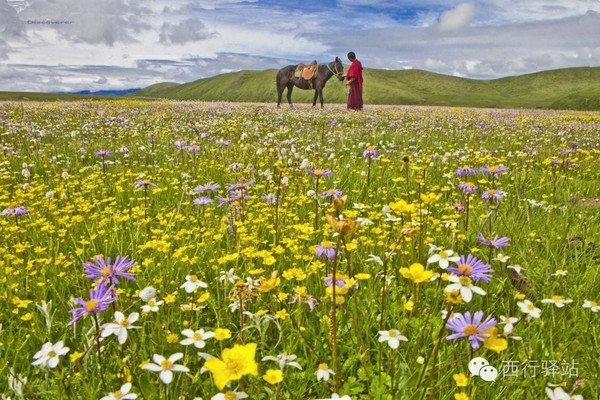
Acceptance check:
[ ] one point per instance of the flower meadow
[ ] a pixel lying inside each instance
(164, 250)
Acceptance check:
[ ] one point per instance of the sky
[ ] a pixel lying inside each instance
(72, 45)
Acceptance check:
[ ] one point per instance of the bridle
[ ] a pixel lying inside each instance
(335, 63)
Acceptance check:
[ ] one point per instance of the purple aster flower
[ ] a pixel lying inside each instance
(270, 198)
(14, 209)
(497, 194)
(201, 201)
(239, 194)
(209, 187)
(554, 161)
(340, 282)
(472, 267)
(456, 206)
(203, 135)
(103, 153)
(144, 183)
(180, 144)
(471, 328)
(465, 171)
(318, 173)
(335, 193)
(194, 149)
(327, 249)
(100, 299)
(236, 167)
(107, 272)
(494, 170)
(370, 152)
(123, 150)
(468, 187)
(81, 151)
(226, 142)
(224, 200)
(304, 298)
(239, 185)
(495, 242)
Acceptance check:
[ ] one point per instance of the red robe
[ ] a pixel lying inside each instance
(355, 101)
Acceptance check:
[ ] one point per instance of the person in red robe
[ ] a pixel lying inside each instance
(354, 79)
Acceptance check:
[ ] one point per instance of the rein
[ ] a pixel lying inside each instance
(330, 70)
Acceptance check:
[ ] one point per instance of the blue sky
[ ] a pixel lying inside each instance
(69, 45)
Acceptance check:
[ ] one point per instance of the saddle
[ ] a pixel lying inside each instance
(308, 71)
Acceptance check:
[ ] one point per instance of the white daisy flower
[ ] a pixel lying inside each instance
(120, 326)
(229, 395)
(49, 354)
(443, 257)
(121, 394)
(192, 283)
(517, 268)
(558, 301)
(152, 305)
(528, 308)
(323, 373)
(560, 394)
(166, 366)
(392, 337)
(284, 360)
(197, 338)
(592, 305)
(465, 286)
(509, 324)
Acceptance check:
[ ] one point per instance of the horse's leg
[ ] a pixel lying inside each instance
(290, 87)
(279, 93)
(321, 97)
(315, 99)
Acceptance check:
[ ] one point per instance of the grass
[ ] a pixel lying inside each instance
(571, 88)
(257, 255)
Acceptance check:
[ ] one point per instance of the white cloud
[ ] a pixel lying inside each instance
(123, 44)
(457, 18)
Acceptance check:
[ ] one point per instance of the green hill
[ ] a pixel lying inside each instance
(569, 88)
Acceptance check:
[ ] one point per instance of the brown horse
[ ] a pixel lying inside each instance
(286, 79)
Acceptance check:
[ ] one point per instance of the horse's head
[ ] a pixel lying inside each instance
(338, 68)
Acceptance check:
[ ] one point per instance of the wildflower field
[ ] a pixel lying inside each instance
(224, 251)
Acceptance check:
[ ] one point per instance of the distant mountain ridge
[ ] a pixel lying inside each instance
(569, 88)
(104, 92)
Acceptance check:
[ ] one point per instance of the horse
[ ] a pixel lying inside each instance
(286, 78)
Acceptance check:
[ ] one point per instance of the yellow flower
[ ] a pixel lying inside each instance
(416, 273)
(461, 396)
(344, 227)
(172, 338)
(399, 207)
(409, 305)
(236, 362)
(267, 284)
(170, 299)
(362, 276)
(453, 297)
(282, 314)
(493, 342)
(222, 334)
(461, 380)
(273, 376)
(75, 356)
(27, 317)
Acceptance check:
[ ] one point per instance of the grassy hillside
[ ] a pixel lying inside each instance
(571, 88)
